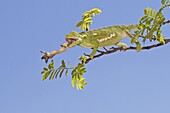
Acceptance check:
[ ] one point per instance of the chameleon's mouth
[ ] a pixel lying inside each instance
(71, 40)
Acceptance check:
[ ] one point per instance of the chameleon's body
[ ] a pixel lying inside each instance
(102, 37)
(107, 36)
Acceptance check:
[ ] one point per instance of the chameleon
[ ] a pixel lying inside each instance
(102, 37)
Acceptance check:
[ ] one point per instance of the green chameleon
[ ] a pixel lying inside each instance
(102, 37)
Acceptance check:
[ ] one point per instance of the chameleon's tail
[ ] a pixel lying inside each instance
(132, 27)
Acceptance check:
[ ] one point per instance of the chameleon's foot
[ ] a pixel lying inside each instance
(123, 49)
(123, 46)
(91, 57)
(46, 56)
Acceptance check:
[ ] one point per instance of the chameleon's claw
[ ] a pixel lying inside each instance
(123, 50)
(46, 56)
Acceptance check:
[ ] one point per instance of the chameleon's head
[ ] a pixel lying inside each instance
(73, 37)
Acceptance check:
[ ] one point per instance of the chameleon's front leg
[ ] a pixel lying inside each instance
(95, 47)
(48, 55)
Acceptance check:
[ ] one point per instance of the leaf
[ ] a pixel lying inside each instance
(51, 65)
(143, 19)
(77, 86)
(134, 38)
(72, 82)
(95, 11)
(42, 72)
(61, 73)
(58, 71)
(87, 19)
(63, 64)
(139, 47)
(79, 24)
(45, 69)
(46, 74)
(162, 40)
(86, 14)
(66, 73)
(53, 73)
(163, 2)
(146, 11)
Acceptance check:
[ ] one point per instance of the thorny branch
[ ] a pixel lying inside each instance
(113, 50)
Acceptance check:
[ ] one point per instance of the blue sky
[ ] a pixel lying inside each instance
(127, 82)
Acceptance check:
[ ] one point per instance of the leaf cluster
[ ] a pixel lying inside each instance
(77, 73)
(87, 19)
(52, 72)
(150, 25)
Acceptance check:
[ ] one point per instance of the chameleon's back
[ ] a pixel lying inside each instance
(128, 27)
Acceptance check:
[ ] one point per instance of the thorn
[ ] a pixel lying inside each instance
(105, 49)
(86, 54)
(100, 51)
(112, 48)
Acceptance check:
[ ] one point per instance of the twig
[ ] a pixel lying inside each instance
(166, 22)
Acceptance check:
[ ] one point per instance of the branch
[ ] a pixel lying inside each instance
(113, 50)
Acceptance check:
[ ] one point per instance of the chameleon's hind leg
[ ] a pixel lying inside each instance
(137, 42)
(122, 45)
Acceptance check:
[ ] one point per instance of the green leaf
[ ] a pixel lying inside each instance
(51, 65)
(77, 86)
(66, 73)
(134, 38)
(42, 72)
(86, 14)
(143, 19)
(95, 11)
(139, 47)
(52, 75)
(72, 82)
(46, 74)
(63, 64)
(79, 24)
(163, 2)
(45, 69)
(146, 11)
(58, 71)
(61, 73)
(87, 19)
(162, 40)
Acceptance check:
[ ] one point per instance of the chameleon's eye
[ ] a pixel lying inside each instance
(74, 32)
